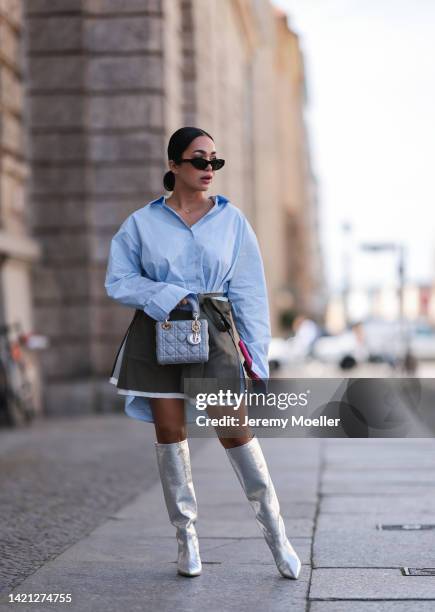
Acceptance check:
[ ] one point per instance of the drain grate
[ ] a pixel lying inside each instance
(418, 571)
(406, 527)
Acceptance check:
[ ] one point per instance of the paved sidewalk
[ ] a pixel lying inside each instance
(333, 494)
(366, 483)
(129, 561)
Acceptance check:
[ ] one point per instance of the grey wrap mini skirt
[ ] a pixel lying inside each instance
(136, 367)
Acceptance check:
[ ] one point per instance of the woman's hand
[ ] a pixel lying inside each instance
(182, 302)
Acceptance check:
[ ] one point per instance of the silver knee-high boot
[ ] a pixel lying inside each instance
(176, 476)
(251, 468)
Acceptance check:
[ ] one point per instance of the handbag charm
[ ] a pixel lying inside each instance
(183, 341)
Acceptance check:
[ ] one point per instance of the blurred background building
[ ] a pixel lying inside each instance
(90, 91)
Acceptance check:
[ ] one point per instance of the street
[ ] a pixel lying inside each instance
(86, 516)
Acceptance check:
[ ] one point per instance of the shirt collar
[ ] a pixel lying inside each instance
(220, 199)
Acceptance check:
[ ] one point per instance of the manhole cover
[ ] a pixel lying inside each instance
(406, 527)
(418, 571)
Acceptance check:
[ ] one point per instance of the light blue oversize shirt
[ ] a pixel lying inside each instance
(156, 259)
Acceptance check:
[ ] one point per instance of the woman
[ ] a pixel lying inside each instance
(174, 247)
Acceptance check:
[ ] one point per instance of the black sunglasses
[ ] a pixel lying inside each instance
(200, 163)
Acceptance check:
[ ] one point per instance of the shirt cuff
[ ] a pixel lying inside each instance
(160, 305)
(260, 371)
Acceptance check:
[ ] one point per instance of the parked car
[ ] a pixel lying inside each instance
(377, 340)
(345, 350)
(295, 348)
(423, 341)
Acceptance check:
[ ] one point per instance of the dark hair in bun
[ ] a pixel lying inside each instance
(178, 143)
(169, 181)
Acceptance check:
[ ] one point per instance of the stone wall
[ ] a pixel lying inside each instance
(102, 99)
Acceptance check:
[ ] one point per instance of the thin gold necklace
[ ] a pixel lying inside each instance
(188, 210)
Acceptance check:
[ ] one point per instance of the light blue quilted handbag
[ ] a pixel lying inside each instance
(183, 341)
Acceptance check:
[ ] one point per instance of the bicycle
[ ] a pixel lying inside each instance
(17, 405)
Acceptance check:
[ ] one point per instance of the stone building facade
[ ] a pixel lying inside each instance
(95, 90)
(304, 272)
(19, 251)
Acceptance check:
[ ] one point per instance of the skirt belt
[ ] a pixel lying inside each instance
(217, 295)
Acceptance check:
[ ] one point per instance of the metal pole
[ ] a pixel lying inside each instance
(347, 228)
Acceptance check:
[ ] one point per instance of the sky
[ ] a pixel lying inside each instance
(370, 74)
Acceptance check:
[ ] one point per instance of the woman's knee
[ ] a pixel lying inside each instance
(168, 414)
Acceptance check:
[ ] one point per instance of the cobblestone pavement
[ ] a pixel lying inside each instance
(61, 478)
